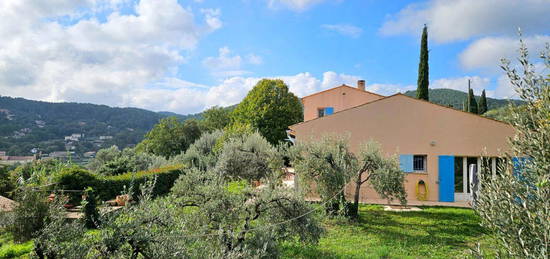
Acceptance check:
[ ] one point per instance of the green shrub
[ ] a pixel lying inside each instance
(11, 250)
(111, 186)
(76, 179)
(29, 215)
(91, 213)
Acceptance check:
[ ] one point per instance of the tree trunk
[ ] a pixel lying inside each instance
(355, 208)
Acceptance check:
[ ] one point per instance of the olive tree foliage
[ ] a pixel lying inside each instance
(249, 157)
(381, 172)
(112, 161)
(203, 217)
(243, 222)
(149, 229)
(327, 166)
(57, 238)
(243, 156)
(29, 215)
(514, 205)
(201, 154)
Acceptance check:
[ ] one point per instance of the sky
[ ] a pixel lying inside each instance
(185, 56)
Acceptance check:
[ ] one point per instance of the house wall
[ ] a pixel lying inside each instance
(404, 125)
(340, 98)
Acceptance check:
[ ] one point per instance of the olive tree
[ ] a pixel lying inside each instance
(112, 161)
(201, 154)
(242, 222)
(29, 214)
(327, 166)
(249, 157)
(381, 172)
(514, 205)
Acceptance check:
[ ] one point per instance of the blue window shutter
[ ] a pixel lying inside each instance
(406, 163)
(446, 177)
(329, 110)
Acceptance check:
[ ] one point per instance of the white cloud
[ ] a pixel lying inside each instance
(486, 52)
(505, 89)
(255, 59)
(477, 83)
(344, 29)
(213, 18)
(92, 60)
(464, 19)
(227, 65)
(389, 89)
(295, 5)
(224, 61)
(187, 97)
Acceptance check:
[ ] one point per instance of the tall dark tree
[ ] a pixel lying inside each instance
(471, 101)
(482, 103)
(423, 68)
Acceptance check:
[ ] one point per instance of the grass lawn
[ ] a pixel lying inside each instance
(10, 250)
(434, 232)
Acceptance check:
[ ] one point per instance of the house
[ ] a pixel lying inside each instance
(336, 99)
(439, 148)
(10, 160)
(74, 137)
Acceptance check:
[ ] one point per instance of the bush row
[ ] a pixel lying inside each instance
(77, 179)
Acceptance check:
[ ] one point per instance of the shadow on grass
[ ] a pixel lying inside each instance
(432, 226)
(434, 232)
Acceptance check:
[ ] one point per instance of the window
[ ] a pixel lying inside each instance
(321, 112)
(419, 163)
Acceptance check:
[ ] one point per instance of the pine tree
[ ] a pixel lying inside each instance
(423, 68)
(482, 103)
(472, 104)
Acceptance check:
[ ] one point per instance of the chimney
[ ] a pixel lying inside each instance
(361, 85)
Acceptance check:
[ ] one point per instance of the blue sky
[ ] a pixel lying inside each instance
(188, 55)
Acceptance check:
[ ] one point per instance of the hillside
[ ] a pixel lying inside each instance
(27, 124)
(455, 98)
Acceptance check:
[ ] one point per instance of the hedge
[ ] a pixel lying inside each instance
(109, 187)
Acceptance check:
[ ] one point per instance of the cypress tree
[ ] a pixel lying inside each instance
(472, 104)
(423, 68)
(482, 103)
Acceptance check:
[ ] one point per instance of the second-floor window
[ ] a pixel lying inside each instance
(322, 112)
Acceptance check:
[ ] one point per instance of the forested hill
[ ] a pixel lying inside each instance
(26, 124)
(455, 98)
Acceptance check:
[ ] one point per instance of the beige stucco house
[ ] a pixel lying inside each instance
(439, 148)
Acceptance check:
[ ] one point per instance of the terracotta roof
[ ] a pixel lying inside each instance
(343, 85)
(394, 95)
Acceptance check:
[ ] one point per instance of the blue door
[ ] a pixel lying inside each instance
(447, 178)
